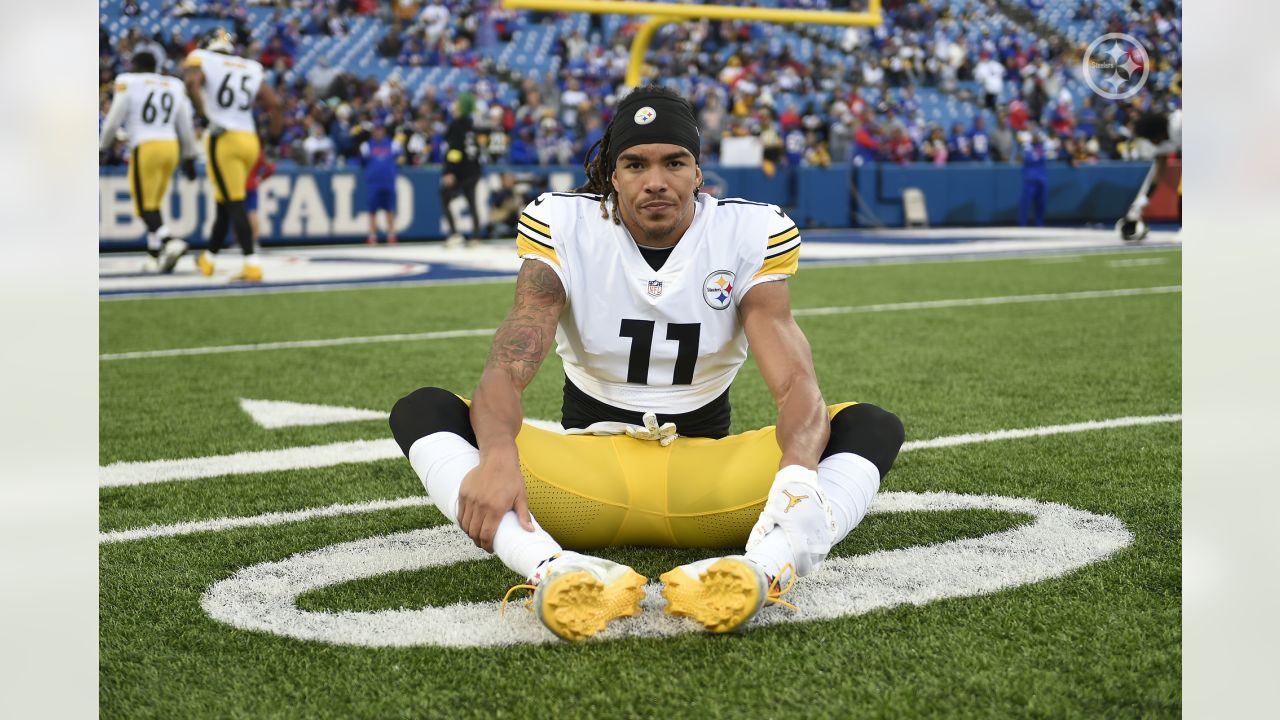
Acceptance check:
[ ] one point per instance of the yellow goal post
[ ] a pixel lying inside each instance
(665, 13)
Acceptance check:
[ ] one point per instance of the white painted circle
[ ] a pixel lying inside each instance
(1121, 45)
(1061, 539)
(645, 115)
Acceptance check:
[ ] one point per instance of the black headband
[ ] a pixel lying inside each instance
(653, 119)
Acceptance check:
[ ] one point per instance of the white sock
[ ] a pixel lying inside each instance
(163, 233)
(849, 483)
(251, 260)
(153, 240)
(441, 461)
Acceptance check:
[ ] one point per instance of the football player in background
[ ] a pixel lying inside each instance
(1163, 129)
(224, 89)
(154, 111)
(461, 166)
(261, 170)
(652, 291)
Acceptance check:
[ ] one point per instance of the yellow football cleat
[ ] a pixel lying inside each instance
(579, 595)
(251, 273)
(204, 261)
(722, 594)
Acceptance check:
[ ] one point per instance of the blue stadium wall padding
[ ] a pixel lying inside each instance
(302, 205)
(960, 195)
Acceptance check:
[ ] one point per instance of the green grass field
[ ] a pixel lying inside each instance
(1103, 641)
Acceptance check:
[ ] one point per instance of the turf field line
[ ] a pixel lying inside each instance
(971, 438)
(998, 300)
(289, 344)
(271, 518)
(799, 312)
(243, 463)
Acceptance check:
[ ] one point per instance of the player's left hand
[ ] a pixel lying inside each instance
(491, 490)
(188, 167)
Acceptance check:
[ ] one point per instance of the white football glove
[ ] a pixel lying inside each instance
(664, 434)
(797, 505)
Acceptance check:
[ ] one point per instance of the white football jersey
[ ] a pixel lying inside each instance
(150, 106)
(667, 340)
(230, 88)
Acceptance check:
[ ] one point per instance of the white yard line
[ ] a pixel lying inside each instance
(999, 300)
(1136, 262)
(121, 474)
(971, 438)
(271, 518)
(244, 463)
(289, 344)
(799, 312)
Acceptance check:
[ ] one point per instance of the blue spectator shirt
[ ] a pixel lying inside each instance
(960, 148)
(981, 143)
(1035, 157)
(379, 160)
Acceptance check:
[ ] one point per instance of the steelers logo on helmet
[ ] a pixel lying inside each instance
(645, 115)
(219, 40)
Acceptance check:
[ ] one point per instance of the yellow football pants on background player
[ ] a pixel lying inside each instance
(150, 167)
(592, 491)
(231, 157)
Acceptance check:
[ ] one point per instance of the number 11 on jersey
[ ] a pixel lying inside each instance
(641, 334)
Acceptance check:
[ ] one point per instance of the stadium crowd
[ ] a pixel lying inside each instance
(860, 104)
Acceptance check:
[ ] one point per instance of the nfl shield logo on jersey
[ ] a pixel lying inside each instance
(655, 288)
(717, 290)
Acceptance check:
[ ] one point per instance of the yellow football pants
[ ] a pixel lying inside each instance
(231, 157)
(592, 491)
(150, 168)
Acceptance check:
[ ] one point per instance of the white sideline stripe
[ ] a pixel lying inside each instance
(799, 312)
(271, 518)
(330, 452)
(1001, 300)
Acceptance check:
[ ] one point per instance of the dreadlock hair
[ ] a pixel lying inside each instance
(597, 164)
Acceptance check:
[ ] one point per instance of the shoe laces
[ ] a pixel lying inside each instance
(777, 590)
(502, 609)
(531, 585)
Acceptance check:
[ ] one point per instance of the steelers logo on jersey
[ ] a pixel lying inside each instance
(645, 115)
(717, 290)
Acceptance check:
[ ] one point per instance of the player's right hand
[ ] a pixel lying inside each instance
(488, 492)
(188, 167)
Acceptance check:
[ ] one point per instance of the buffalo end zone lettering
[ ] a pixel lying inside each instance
(291, 207)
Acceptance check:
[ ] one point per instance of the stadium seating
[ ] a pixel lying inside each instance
(532, 50)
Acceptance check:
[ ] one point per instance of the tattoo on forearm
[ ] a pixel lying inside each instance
(525, 336)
